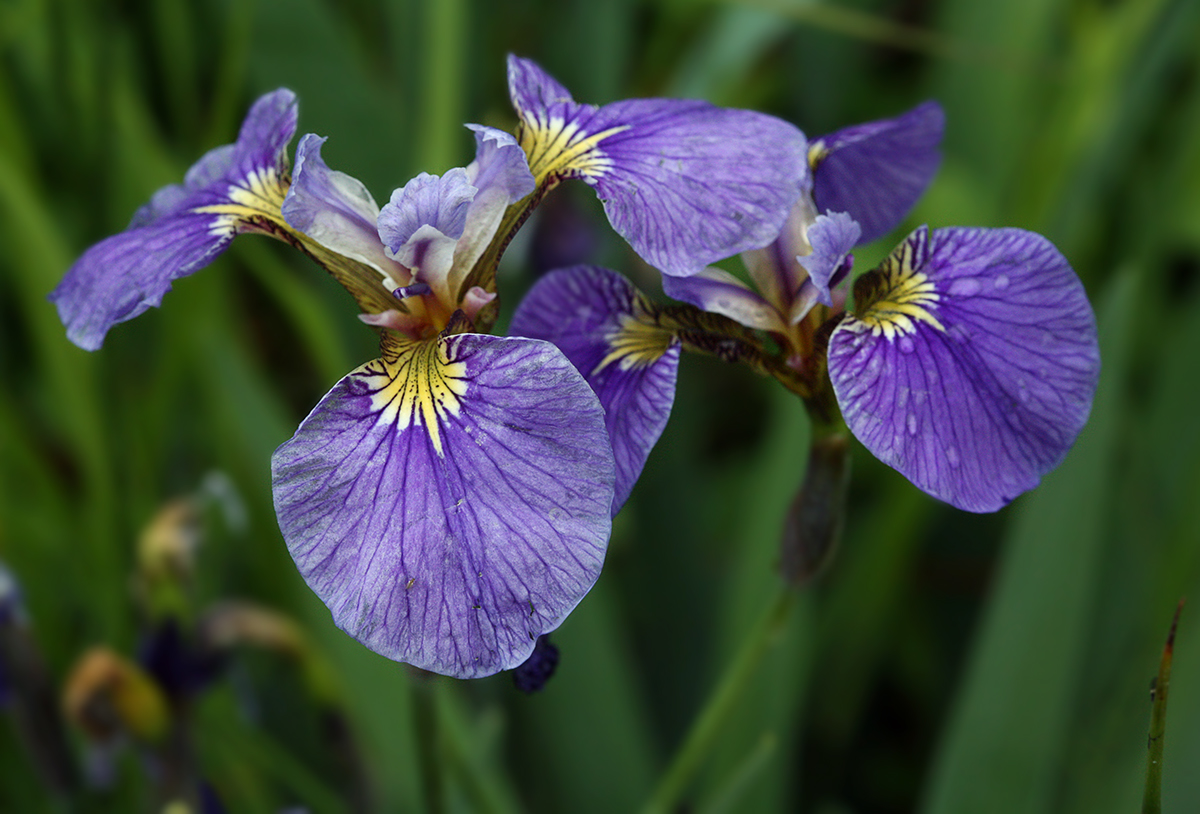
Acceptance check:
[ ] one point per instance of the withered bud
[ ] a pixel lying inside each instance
(814, 520)
(107, 695)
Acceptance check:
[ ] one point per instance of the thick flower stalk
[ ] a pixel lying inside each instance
(451, 500)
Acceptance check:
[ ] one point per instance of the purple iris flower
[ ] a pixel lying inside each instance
(686, 183)
(971, 360)
(450, 500)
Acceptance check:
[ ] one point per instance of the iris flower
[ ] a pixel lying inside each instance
(970, 361)
(451, 501)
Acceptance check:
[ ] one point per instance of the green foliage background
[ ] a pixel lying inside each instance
(945, 663)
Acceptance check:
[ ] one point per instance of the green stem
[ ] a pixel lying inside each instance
(1152, 800)
(429, 744)
(721, 704)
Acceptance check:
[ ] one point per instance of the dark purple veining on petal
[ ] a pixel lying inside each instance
(122, 276)
(531, 88)
(976, 413)
(693, 183)
(579, 309)
(453, 555)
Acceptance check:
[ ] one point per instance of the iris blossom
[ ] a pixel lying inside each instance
(970, 362)
(451, 501)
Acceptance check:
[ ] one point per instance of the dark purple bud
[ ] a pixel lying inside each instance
(563, 235)
(181, 665)
(532, 676)
(815, 519)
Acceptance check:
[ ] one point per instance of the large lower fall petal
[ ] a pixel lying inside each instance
(595, 316)
(450, 502)
(972, 366)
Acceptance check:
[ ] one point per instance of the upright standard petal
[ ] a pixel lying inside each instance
(832, 236)
(499, 163)
(450, 502)
(336, 210)
(234, 188)
(877, 171)
(427, 200)
(971, 364)
(686, 183)
(598, 320)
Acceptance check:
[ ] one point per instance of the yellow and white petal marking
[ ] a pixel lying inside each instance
(259, 194)
(816, 153)
(416, 382)
(635, 344)
(893, 298)
(559, 148)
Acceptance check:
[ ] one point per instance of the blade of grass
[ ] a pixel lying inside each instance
(1152, 801)
(1005, 743)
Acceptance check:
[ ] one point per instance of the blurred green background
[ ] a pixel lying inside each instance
(945, 663)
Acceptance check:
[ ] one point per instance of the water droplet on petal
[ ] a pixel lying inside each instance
(906, 344)
(967, 287)
(911, 422)
(952, 456)
(1001, 282)
(959, 333)
(873, 367)
(1022, 390)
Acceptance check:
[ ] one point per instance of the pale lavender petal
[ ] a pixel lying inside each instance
(427, 200)
(591, 314)
(832, 237)
(183, 228)
(719, 292)
(501, 174)
(685, 182)
(976, 373)
(773, 268)
(335, 209)
(499, 163)
(877, 171)
(452, 506)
